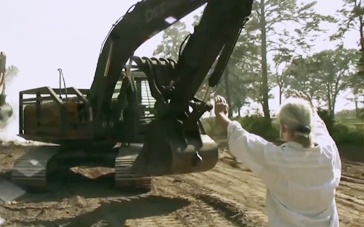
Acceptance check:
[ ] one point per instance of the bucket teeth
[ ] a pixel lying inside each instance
(125, 178)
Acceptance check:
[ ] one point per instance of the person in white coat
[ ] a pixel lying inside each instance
(301, 175)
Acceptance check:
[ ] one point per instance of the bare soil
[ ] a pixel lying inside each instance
(228, 195)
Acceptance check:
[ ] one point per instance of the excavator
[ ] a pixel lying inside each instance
(140, 115)
(6, 111)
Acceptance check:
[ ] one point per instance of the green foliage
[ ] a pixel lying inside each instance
(268, 35)
(271, 20)
(350, 116)
(323, 75)
(351, 18)
(172, 40)
(328, 118)
(256, 124)
(343, 135)
(273, 16)
(259, 125)
(242, 78)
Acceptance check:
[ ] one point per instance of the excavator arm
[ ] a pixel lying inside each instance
(212, 43)
(175, 141)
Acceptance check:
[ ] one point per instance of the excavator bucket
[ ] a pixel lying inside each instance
(170, 149)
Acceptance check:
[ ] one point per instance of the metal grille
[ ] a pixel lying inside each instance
(146, 99)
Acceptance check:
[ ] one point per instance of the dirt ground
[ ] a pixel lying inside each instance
(228, 195)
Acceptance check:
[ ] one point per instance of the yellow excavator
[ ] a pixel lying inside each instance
(6, 111)
(140, 115)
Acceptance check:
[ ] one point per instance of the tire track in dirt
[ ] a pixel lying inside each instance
(223, 196)
(227, 209)
(230, 184)
(347, 217)
(160, 221)
(236, 185)
(350, 194)
(199, 212)
(349, 200)
(240, 189)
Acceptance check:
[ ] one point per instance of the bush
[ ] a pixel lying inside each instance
(327, 118)
(260, 126)
(344, 135)
(255, 124)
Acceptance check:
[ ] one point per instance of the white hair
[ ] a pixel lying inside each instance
(296, 115)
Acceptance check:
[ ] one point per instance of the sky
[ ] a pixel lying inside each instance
(40, 36)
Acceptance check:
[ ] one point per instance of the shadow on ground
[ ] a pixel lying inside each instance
(116, 213)
(68, 184)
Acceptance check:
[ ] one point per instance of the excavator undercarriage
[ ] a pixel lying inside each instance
(146, 106)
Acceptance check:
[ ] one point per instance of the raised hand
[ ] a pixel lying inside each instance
(221, 105)
(304, 96)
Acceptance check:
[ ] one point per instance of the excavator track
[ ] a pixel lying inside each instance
(30, 171)
(125, 178)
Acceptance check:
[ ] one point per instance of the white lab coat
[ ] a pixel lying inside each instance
(300, 182)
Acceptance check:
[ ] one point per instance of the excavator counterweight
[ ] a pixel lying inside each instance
(140, 115)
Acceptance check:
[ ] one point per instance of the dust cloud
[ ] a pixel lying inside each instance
(9, 131)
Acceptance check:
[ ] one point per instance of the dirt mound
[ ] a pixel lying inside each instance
(92, 172)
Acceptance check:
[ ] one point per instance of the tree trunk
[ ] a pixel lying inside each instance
(356, 108)
(227, 91)
(280, 94)
(329, 103)
(264, 90)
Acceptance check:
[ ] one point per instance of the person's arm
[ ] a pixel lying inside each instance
(246, 147)
(323, 138)
(319, 130)
(222, 120)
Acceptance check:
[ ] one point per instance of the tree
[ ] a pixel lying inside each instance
(323, 75)
(172, 40)
(241, 80)
(351, 14)
(271, 18)
(281, 63)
